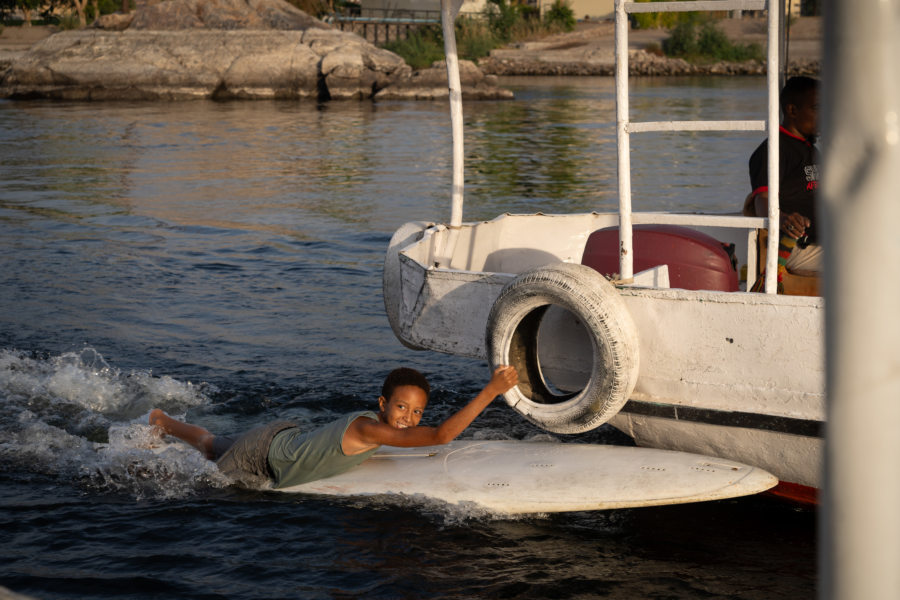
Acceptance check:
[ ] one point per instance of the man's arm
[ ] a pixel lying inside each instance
(372, 433)
(792, 224)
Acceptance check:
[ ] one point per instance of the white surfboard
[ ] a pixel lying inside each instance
(515, 477)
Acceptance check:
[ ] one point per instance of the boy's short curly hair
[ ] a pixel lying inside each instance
(404, 376)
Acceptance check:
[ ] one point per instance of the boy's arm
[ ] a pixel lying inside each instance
(372, 432)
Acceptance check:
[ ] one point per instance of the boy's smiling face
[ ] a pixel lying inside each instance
(404, 408)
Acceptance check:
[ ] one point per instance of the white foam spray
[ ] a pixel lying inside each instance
(76, 418)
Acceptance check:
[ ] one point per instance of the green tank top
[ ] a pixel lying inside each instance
(296, 456)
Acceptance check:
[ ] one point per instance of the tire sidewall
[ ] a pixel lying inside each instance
(597, 304)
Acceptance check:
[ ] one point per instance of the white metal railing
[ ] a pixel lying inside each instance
(695, 126)
(696, 5)
(625, 127)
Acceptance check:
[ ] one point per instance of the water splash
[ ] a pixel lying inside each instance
(81, 393)
(77, 418)
(138, 462)
(85, 379)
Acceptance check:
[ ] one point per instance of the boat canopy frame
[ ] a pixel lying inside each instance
(625, 127)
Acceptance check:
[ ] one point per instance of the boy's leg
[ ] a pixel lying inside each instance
(196, 436)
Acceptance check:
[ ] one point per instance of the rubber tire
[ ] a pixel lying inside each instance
(390, 280)
(511, 338)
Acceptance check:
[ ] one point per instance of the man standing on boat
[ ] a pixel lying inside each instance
(798, 174)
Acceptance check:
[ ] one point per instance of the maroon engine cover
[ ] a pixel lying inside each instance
(696, 261)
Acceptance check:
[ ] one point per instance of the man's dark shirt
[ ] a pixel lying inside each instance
(798, 172)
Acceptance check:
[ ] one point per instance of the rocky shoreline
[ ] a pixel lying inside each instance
(317, 64)
(257, 49)
(641, 63)
(222, 49)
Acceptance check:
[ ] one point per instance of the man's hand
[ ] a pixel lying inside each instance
(794, 225)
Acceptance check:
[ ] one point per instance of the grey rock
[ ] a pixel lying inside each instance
(114, 21)
(222, 14)
(103, 65)
(432, 84)
(222, 49)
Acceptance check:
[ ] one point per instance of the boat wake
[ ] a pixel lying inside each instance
(76, 419)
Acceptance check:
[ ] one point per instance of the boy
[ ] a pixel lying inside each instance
(281, 452)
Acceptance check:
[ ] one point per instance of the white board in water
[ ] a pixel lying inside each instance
(539, 477)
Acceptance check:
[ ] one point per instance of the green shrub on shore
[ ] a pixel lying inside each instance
(502, 18)
(68, 21)
(660, 20)
(707, 43)
(426, 46)
(476, 37)
(560, 16)
(420, 48)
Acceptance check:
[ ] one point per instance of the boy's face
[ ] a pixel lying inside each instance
(404, 408)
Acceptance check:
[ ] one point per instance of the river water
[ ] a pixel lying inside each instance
(223, 261)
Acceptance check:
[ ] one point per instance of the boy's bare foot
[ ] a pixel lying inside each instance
(157, 417)
(157, 432)
(196, 436)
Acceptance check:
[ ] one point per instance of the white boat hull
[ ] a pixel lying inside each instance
(747, 368)
(797, 458)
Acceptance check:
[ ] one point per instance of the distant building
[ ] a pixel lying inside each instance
(591, 10)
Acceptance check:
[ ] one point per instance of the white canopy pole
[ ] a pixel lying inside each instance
(860, 553)
(623, 150)
(775, 15)
(449, 10)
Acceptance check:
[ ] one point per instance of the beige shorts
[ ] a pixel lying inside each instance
(245, 461)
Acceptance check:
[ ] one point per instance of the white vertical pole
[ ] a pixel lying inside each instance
(772, 83)
(623, 146)
(860, 553)
(449, 10)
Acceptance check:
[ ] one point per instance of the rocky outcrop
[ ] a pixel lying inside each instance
(169, 15)
(175, 65)
(492, 65)
(431, 84)
(220, 49)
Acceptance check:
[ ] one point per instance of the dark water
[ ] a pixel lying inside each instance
(223, 262)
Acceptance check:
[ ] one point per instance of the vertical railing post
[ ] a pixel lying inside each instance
(449, 8)
(773, 121)
(623, 146)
